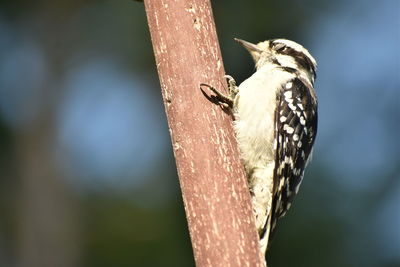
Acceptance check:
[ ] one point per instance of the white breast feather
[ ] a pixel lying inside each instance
(254, 114)
(255, 131)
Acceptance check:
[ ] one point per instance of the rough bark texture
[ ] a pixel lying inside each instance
(212, 179)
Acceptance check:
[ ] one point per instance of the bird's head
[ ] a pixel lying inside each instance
(283, 53)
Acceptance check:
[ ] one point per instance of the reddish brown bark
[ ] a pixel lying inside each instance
(212, 179)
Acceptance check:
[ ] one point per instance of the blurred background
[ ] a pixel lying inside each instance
(87, 175)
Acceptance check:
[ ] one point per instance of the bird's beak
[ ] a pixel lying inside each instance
(249, 46)
(253, 49)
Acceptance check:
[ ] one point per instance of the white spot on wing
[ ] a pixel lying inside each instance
(299, 144)
(302, 121)
(289, 129)
(289, 100)
(288, 94)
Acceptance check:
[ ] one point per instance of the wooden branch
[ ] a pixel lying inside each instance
(212, 179)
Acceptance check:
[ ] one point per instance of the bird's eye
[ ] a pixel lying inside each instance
(279, 47)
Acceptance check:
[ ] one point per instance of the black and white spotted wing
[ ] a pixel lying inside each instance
(296, 128)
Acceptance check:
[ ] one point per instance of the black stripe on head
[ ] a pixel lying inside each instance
(272, 42)
(301, 59)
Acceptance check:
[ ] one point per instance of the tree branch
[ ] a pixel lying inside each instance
(212, 179)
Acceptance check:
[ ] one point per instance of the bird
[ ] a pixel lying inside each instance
(275, 122)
